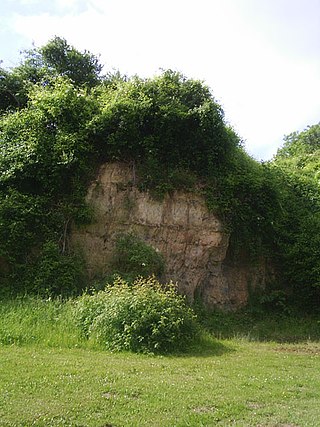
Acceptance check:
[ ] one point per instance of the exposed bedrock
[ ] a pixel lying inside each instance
(192, 240)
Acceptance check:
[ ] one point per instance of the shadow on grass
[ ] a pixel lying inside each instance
(269, 327)
(207, 346)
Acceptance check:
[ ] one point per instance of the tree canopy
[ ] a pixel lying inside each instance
(298, 164)
(41, 65)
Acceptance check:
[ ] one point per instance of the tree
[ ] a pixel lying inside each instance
(298, 229)
(9, 91)
(43, 65)
(83, 68)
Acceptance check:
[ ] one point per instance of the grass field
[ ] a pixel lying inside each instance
(50, 377)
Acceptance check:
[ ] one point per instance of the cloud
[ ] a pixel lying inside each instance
(25, 2)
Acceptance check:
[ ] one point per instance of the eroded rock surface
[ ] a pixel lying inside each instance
(192, 240)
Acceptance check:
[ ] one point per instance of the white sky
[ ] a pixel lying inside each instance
(261, 58)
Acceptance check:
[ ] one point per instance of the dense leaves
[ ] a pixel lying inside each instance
(132, 257)
(168, 121)
(298, 162)
(142, 317)
(83, 68)
(41, 145)
(40, 65)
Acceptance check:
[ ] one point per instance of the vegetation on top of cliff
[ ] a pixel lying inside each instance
(297, 163)
(60, 118)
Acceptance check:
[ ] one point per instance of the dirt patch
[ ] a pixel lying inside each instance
(277, 425)
(204, 409)
(308, 348)
(255, 405)
(109, 395)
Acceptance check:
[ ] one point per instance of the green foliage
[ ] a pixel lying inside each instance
(60, 119)
(82, 68)
(175, 132)
(273, 301)
(42, 65)
(10, 91)
(55, 273)
(30, 320)
(301, 148)
(269, 319)
(44, 165)
(43, 147)
(147, 119)
(246, 196)
(50, 148)
(298, 228)
(142, 317)
(21, 222)
(133, 257)
(87, 308)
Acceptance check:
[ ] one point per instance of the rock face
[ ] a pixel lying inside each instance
(192, 240)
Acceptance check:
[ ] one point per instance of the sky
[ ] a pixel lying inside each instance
(260, 58)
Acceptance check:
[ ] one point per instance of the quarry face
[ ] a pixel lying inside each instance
(192, 240)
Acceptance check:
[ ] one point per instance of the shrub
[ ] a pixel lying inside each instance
(87, 308)
(133, 257)
(143, 317)
(56, 273)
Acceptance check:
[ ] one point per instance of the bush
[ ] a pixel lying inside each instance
(56, 273)
(133, 257)
(143, 317)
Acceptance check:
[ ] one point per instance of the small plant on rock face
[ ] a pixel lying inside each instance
(142, 317)
(133, 257)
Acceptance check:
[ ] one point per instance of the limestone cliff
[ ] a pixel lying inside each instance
(192, 239)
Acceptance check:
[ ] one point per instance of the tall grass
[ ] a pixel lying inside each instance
(31, 320)
(262, 326)
(50, 323)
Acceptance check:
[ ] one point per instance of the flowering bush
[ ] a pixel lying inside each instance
(142, 317)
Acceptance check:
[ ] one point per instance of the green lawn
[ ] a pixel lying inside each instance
(49, 376)
(231, 382)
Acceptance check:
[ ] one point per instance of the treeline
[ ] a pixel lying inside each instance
(61, 118)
